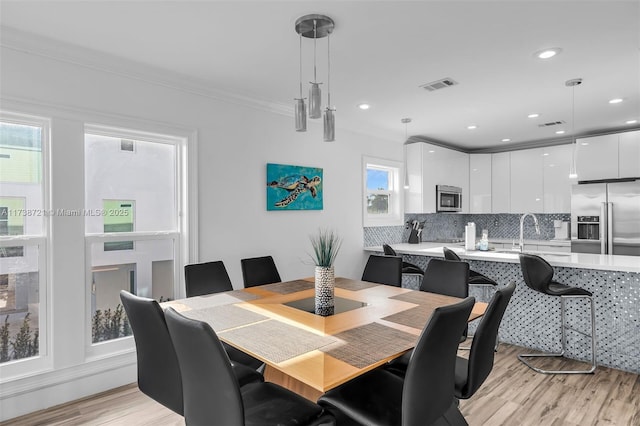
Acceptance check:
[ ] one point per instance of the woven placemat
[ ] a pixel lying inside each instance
(417, 297)
(368, 344)
(276, 341)
(415, 317)
(353, 285)
(218, 299)
(225, 316)
(289, 286)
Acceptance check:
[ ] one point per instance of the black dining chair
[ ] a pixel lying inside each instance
(425, 395)
(383, 270)
(212, 277)
(259, 271)
(472, 372)
(159, 375)
(206, 278)
(211, 393)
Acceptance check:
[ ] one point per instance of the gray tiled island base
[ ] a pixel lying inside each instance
(532, 319)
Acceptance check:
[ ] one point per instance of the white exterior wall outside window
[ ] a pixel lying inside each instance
(24, 211)
(382, 192)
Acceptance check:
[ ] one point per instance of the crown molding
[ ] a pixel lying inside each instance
(32, 44)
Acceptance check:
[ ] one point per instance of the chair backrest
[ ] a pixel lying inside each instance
(388, 250)
(483, 347)
(450, 254)
(448, 277)
(259, 271)
(158, 370)
(429, 382)
(537, 273)
(211, 391)
(206, 278)
(383, 270)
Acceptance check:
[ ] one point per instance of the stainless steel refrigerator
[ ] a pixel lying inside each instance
(605, 218)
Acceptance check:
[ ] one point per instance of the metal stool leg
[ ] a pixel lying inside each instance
(561, 354)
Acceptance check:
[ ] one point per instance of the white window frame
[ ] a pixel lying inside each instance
(43, 361)
(179, 236)
(396, 194)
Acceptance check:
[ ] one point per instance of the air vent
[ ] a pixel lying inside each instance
(439, 84)
(127, 145)
(551, 123)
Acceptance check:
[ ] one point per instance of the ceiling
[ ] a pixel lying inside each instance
(381, 52)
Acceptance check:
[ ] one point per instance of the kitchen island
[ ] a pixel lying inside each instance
(533, 319)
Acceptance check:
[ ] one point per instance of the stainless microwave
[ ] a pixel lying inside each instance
(448, 198)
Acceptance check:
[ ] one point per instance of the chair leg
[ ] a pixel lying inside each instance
(485, 287)
(562, 332)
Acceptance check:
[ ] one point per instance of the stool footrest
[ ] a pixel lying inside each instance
(547, 355)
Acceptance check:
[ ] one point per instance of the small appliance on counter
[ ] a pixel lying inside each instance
(561, 229)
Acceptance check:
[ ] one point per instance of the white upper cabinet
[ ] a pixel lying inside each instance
(597, 157)
(500, 182)
(556, 182)
(480, 183)
(629, 154)
(527, 181)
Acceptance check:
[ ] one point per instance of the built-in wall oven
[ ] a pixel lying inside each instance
(448, 198)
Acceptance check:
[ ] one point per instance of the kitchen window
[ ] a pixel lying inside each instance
(382, 203)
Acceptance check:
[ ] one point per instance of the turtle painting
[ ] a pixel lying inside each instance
(293, 187)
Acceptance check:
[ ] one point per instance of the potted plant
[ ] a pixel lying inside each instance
(326, 244)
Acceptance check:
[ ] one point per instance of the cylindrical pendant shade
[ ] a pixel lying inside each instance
(329, 125)
(315, 100)
(301, 115)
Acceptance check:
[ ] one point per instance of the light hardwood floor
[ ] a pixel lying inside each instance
(512, 395)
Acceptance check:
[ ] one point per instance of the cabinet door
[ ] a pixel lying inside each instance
(413, 195)
(629, 154)
(597, 157)
(500, 183)
(556, 182)
(480, 183)
(526, 181)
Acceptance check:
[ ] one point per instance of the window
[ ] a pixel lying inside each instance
(132, 223)
(23, 224)
(383, 197)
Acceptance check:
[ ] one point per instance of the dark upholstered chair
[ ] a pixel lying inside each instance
(383, 270)
(538, 275)
(407, 267)
(158, 370)
(206, 278)
(475, 278)
(211, 392)
(212, 277)
(425, 396)
(259, 271)
(472, 372)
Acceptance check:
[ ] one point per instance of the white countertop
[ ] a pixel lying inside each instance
(567, 260)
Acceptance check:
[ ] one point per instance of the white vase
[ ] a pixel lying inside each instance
(325, 283)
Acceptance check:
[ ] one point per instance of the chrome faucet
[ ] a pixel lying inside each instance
(535, 221)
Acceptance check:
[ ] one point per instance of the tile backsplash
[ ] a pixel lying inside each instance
(446, 226)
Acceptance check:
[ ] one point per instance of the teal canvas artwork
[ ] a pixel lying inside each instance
(293, 187)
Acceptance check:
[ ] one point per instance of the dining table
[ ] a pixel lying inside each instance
(308, 353)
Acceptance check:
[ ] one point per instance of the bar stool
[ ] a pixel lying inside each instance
(408, 269)
(475, 278)
(538, 276)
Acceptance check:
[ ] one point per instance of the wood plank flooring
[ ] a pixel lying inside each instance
(512, 395)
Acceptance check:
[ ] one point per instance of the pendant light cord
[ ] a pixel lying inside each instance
(329, 70)
(300, 65)
(315, 42)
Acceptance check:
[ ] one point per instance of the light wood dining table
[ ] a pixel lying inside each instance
(311, 354)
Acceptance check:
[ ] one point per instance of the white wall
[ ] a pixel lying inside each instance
(235, 142)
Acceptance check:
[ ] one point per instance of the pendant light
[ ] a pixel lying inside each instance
(573, 172)
(315, 27)
(406, 122)
(300, 107)
(329, 116)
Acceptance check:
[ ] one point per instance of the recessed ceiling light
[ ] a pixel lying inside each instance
(546, 154)
(584, 143)
(364, 106)
(431, 151)
(472, 127)
(615, 101)
(506, 140)
(547, 53)
(534, 115)
(631, 121)
(559, 132)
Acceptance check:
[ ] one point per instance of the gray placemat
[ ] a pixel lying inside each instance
(415, 317)
(218, 299)
(368, 344)
(276, 341)
(417, 297)
(289, 286)
(352, 285)
(224, 317)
